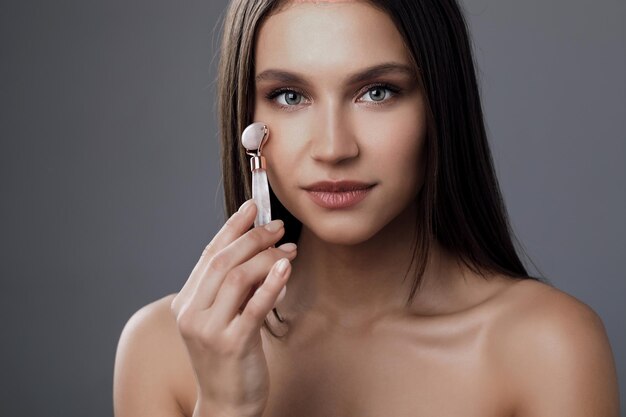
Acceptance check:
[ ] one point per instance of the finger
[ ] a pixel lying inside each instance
(242, 279)
(285, 247)
(263, 300)
(235, 226)
(236, 253)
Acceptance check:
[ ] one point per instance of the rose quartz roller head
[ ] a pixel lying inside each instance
(253, 138)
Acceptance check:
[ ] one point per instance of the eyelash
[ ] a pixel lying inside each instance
(275, 93)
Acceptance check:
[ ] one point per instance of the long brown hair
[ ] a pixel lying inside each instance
(460, 203)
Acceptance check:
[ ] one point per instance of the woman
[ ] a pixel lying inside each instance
(380, 171)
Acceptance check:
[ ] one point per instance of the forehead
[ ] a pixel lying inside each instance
(316, 37)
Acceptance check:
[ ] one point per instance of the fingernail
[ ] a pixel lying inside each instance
(281, 267)
(288, 247)
(245, 206)
(274, 225)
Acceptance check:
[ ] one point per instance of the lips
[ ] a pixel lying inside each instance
(338, 194)
(338, 186)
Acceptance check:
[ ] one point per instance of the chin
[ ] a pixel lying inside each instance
(347, 228)
(344, 234)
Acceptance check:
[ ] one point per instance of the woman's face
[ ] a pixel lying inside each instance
(327, 123)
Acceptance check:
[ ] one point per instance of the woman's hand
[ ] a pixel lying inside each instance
(219, 314)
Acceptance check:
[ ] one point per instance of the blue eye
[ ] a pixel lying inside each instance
(377, 93)
(291, 97)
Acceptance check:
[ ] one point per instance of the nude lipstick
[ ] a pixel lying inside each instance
(338, 194)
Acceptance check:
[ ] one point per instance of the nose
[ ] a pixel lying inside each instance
(334, 138)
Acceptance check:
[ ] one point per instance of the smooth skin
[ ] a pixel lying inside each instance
(467, 346)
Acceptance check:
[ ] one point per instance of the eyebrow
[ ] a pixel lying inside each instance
(367, 74)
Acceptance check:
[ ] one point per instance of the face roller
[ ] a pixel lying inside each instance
(253, 138)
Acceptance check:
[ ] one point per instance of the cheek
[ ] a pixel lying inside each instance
(283, 158)
(396, 140)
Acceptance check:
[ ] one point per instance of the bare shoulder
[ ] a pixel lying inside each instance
(538, 299)
(151, 363)
(553, 352)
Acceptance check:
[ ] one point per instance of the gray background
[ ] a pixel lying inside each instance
(110, 183)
